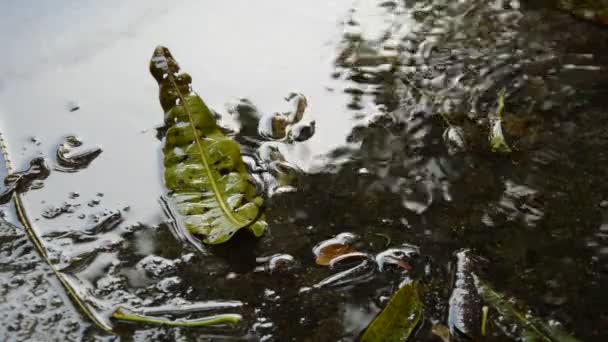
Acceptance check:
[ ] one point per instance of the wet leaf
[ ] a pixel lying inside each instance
(211, 195)
(399, 319)
(328, 253)
(533, 328)
(327, 250)
(441, 331)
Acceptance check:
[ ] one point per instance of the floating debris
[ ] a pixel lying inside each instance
(108, 223)
(302, 132)
(25, 180)
(276, 263)
(401, 257)
(71, 160)
(157, 266)
(72, 106)
(65, 208)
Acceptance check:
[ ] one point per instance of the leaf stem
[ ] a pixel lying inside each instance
(124, 315)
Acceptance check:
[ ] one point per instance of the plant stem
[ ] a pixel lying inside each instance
(123, 315)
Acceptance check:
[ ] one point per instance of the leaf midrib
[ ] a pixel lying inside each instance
(204, 157)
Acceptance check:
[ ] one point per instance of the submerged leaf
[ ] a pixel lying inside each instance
(211, 195)
(533, 328)
(399, 319)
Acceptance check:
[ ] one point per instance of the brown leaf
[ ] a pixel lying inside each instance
(327, 253)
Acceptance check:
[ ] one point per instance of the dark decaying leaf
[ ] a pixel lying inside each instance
(24, 180)
(399, 319)
(464, 318)
(210, 192)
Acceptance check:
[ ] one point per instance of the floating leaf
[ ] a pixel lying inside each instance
(328, 253)
(533, 328)
(211, 195)
(327, 250)
(399, 319)
(497, 138)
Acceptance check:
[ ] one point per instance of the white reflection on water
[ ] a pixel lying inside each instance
(96, 55)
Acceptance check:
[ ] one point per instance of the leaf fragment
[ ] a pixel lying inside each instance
(399, 319)
(498, 142)
(328, 253)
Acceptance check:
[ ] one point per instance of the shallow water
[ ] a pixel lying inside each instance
(375, 75)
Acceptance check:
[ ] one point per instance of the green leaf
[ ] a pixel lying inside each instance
(399, 319)
(209, 185)
(533, 328)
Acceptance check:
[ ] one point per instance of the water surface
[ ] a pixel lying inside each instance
(377, 76)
